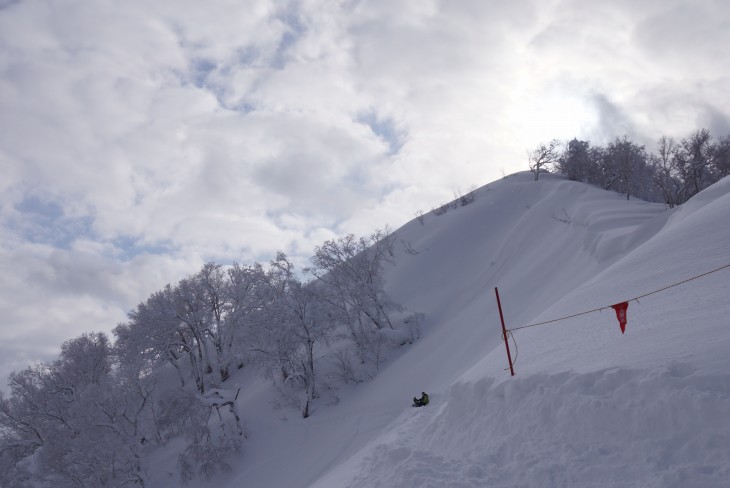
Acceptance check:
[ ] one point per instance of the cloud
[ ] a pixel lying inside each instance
(50, 295)
(612, 121)
(139, 140)
(716, 121)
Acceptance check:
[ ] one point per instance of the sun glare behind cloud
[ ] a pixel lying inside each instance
(540, 117)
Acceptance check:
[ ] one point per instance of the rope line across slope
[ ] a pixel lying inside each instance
(628, 300)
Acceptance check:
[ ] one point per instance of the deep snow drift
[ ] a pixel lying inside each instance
(588, 407)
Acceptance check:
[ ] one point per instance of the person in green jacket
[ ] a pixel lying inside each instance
(421, 402)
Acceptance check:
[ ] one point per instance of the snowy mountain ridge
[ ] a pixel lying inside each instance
(589, 406)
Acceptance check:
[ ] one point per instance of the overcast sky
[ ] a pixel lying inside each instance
(139, 139)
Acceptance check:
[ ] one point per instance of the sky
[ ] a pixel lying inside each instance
(139, 140)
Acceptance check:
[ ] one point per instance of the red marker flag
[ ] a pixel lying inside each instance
(621, 314)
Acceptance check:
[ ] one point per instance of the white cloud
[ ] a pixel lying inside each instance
(138, 139)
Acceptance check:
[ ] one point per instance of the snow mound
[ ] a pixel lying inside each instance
(609, 428)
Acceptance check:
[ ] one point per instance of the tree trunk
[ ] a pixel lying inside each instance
(305, 410)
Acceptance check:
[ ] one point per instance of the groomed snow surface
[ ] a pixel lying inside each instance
(589, 407)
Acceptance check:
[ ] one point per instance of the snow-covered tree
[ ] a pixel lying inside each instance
(230, 297)
(294, 324)
(348, 273)
(190, 325)
(77, 422)
(153, 335)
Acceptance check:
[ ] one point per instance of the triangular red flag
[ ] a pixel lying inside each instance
(621, 314)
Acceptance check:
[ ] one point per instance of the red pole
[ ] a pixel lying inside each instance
(504, 332)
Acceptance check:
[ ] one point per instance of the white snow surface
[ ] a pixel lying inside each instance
(588, 407)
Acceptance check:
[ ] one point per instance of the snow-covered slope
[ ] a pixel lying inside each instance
(588, 407)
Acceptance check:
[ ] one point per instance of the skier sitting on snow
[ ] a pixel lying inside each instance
(421, 402)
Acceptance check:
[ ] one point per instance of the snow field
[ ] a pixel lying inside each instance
(589, 407)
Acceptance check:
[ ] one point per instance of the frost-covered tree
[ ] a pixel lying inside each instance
(348, 273)
(231, 297)
(195, 321)
(294, 325)
(72, 417)
(663, 174)
(621, 166)
(208, 438)
(21, 433)
(721, 158)
(182, 326)
(191, 325)
(626, 161)
(674, 173)
(544, 154)
(575, 162)
(692, 161)
(153, 335)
